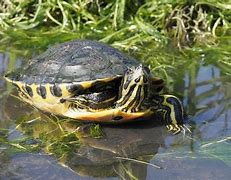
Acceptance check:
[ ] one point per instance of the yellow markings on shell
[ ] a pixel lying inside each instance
(105, 115)
(52, 103)
(36, 98)
(47, 87)
(64, 90)
(50, 97)
(35, 93)
(108, 79)
(88, 84)
(20, 86)
(22, 93)
(49, 104)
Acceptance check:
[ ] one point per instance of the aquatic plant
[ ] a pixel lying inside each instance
(123, 23)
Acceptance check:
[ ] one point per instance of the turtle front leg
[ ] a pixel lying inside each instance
(172, 109)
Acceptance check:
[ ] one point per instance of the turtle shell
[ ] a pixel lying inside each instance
(75, 61)
(75, 68)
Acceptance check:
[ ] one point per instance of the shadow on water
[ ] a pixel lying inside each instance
(139, 151)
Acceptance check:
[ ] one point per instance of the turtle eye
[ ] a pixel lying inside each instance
(137, 79)
(146, 69)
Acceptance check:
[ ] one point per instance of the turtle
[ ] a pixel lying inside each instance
(91, 81)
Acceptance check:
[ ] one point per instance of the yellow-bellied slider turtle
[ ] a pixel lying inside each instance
(91, 81)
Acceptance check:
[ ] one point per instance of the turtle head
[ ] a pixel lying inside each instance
(139, 75)
(135, 87)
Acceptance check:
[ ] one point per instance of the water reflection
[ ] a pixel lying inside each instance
(206, 91)
(209, 99)
(120, 152)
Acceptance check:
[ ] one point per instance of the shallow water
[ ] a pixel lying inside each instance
(124, 149)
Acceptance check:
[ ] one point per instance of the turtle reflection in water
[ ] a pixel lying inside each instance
(120, 150)
(90, 81)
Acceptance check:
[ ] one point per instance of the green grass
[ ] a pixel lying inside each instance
(123, 23)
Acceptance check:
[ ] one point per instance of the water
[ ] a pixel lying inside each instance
(133, 151)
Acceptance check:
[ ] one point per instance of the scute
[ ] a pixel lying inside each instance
(75, 61)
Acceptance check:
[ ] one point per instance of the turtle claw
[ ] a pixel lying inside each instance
(185, 127)
(176, 129)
